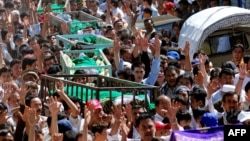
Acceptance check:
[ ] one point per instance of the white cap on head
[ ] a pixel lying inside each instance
(15, 12)
(228, 88)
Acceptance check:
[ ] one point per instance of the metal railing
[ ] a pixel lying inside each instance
(102, 87)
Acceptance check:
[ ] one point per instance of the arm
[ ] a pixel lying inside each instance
(39, 56)
(153, 75)
(45, 26)
(242, 75)
(70, 103)
(185, 51)
(87, 119)
(117, 113)
(116, 50)
(108, 18)
(32, 123)
(2, 63)
(54, 108)
(203, 69)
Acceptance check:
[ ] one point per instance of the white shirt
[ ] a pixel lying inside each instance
(158, 117)
(245, 81)
(77, 123)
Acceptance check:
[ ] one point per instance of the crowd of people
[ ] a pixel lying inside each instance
(193, 93)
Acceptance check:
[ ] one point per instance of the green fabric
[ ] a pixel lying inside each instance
(85, 61)
(104, 94)
(56, 8)
(79, 25)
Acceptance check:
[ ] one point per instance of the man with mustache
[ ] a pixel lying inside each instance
(230, 102)
(33, 102)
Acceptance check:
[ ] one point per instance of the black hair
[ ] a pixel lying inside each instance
(74, 99)
(24, 50)
(115, 3)
(28, 61)
(246, 59)
(226, 71)
(199, 94)
(143, 116)
(137, 64)
(214, 73)
(148, 10)
(15, 61)
(227, 94)
(180, 99)
(149, 2)
(127, 73)
(186, 76)
(9, 4)
(4, 70)
(183, 115)
(175, 63)
(98, 128)
(247, 87)
(35, 39)
(171, 68)
(4, 34)
(24, 14)
(3, 107)
(5, 132)
(29, 98)
(69, 135)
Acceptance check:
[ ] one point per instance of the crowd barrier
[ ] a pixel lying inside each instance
(100, 87)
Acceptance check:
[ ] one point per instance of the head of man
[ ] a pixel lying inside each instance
(230, 101)
(162, 103)
(35, 102)
(145, 126)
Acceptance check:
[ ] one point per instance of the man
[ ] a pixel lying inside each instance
(245, 78)
(170, 8)
(230, 102)
(162, 102)
(237, 54)
(146, 127)
(94, 6)
(149, 26)
(148, 4)
(226, 77)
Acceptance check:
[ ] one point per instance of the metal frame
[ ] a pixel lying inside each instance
(67, 69)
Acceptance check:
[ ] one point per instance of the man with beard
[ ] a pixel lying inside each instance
(230, 102)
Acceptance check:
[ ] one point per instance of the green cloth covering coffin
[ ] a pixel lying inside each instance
(79, 25)
(56, 8)
(104, 94)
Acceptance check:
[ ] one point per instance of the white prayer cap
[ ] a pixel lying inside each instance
(228, 88)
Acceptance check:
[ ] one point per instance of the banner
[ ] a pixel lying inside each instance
(209, 134)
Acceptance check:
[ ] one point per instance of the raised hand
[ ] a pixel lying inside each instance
(3, 117)
(57, 137)
(117, 112)
(54, 105)
(87, 116)
(242, 70)
(185, 50)
(60, 86)
(31, 117)
(116, 45)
